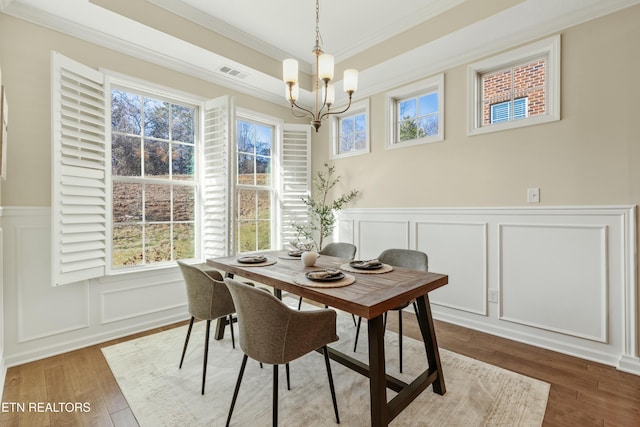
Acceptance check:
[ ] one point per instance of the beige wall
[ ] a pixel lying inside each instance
(26, 53)
(590, 157)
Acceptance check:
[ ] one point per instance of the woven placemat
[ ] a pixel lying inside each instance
(269, 261)
(301, 279)
(384, 269)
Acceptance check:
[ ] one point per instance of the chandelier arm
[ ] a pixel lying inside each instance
(293, 104)
(328, 113)
(319, 114)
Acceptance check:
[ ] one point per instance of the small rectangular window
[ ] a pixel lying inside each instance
(350, 131)
(507, 93)
(516, 88)
(416, 113)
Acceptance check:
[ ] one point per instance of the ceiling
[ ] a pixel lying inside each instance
(288, 26)
(435, 35)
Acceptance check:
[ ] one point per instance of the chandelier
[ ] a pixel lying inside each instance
(324, 73)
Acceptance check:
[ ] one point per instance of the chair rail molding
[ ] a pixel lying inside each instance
(557, 277)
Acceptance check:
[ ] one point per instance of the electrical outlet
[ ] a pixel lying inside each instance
(533, 195)
(494, 295)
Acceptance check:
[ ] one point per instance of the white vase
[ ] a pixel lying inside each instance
(309, 258)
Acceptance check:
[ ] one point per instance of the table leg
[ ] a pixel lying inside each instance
(377, 373)
(221, 322)
(427, 329)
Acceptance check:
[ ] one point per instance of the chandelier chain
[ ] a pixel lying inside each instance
(318, 46)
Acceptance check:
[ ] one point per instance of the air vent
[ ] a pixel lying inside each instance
(232, 72)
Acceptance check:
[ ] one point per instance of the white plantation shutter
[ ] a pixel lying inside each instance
(79, 200)
(217, 172)
(296, 176)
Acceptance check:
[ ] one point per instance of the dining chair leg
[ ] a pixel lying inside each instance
(233, 338)
(400, 336)
(206, 354)
(355, 344)
(353, 316)
(186, 341)
(325, 351)
(275, 395)
(299, 303)
(235, 392)
(286, 368)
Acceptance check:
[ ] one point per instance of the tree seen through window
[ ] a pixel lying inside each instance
(153, 179)
(254, 186)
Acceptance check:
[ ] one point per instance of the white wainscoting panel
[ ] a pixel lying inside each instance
(557, 280)
(41, 320)
(377, 235)
(133, 301)
(459, 248)
(562, 278)
(42, 310)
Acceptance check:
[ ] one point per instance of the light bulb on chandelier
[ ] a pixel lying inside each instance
(324, 74)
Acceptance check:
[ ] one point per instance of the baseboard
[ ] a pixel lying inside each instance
(71, 345)
(536, 341)
(629, 364)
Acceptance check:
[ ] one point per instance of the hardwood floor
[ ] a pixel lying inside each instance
(582, 393)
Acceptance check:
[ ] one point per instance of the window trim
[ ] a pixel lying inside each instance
(434, 83)
(361, 106)
(548, 48)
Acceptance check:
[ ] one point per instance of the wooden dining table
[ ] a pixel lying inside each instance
(370, 296)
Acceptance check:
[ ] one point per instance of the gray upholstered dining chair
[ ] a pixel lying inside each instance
(208, 298)
(406, 258)
(273, 333)
(337, 249)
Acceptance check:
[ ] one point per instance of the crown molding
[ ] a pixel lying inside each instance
(491, 35)
(216, 25)
(192, 60)
(499, 32)
(399, 26)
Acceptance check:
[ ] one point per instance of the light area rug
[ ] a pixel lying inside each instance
(160, 394)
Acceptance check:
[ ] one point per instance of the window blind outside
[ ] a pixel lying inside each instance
(296, 176)
(500, 112)
(217, 171)
(520, 108)
(79, 199)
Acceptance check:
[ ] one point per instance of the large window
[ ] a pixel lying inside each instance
(153, 179)
(160, 182)
(254, 185)
(416, 113)
(517, 88)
